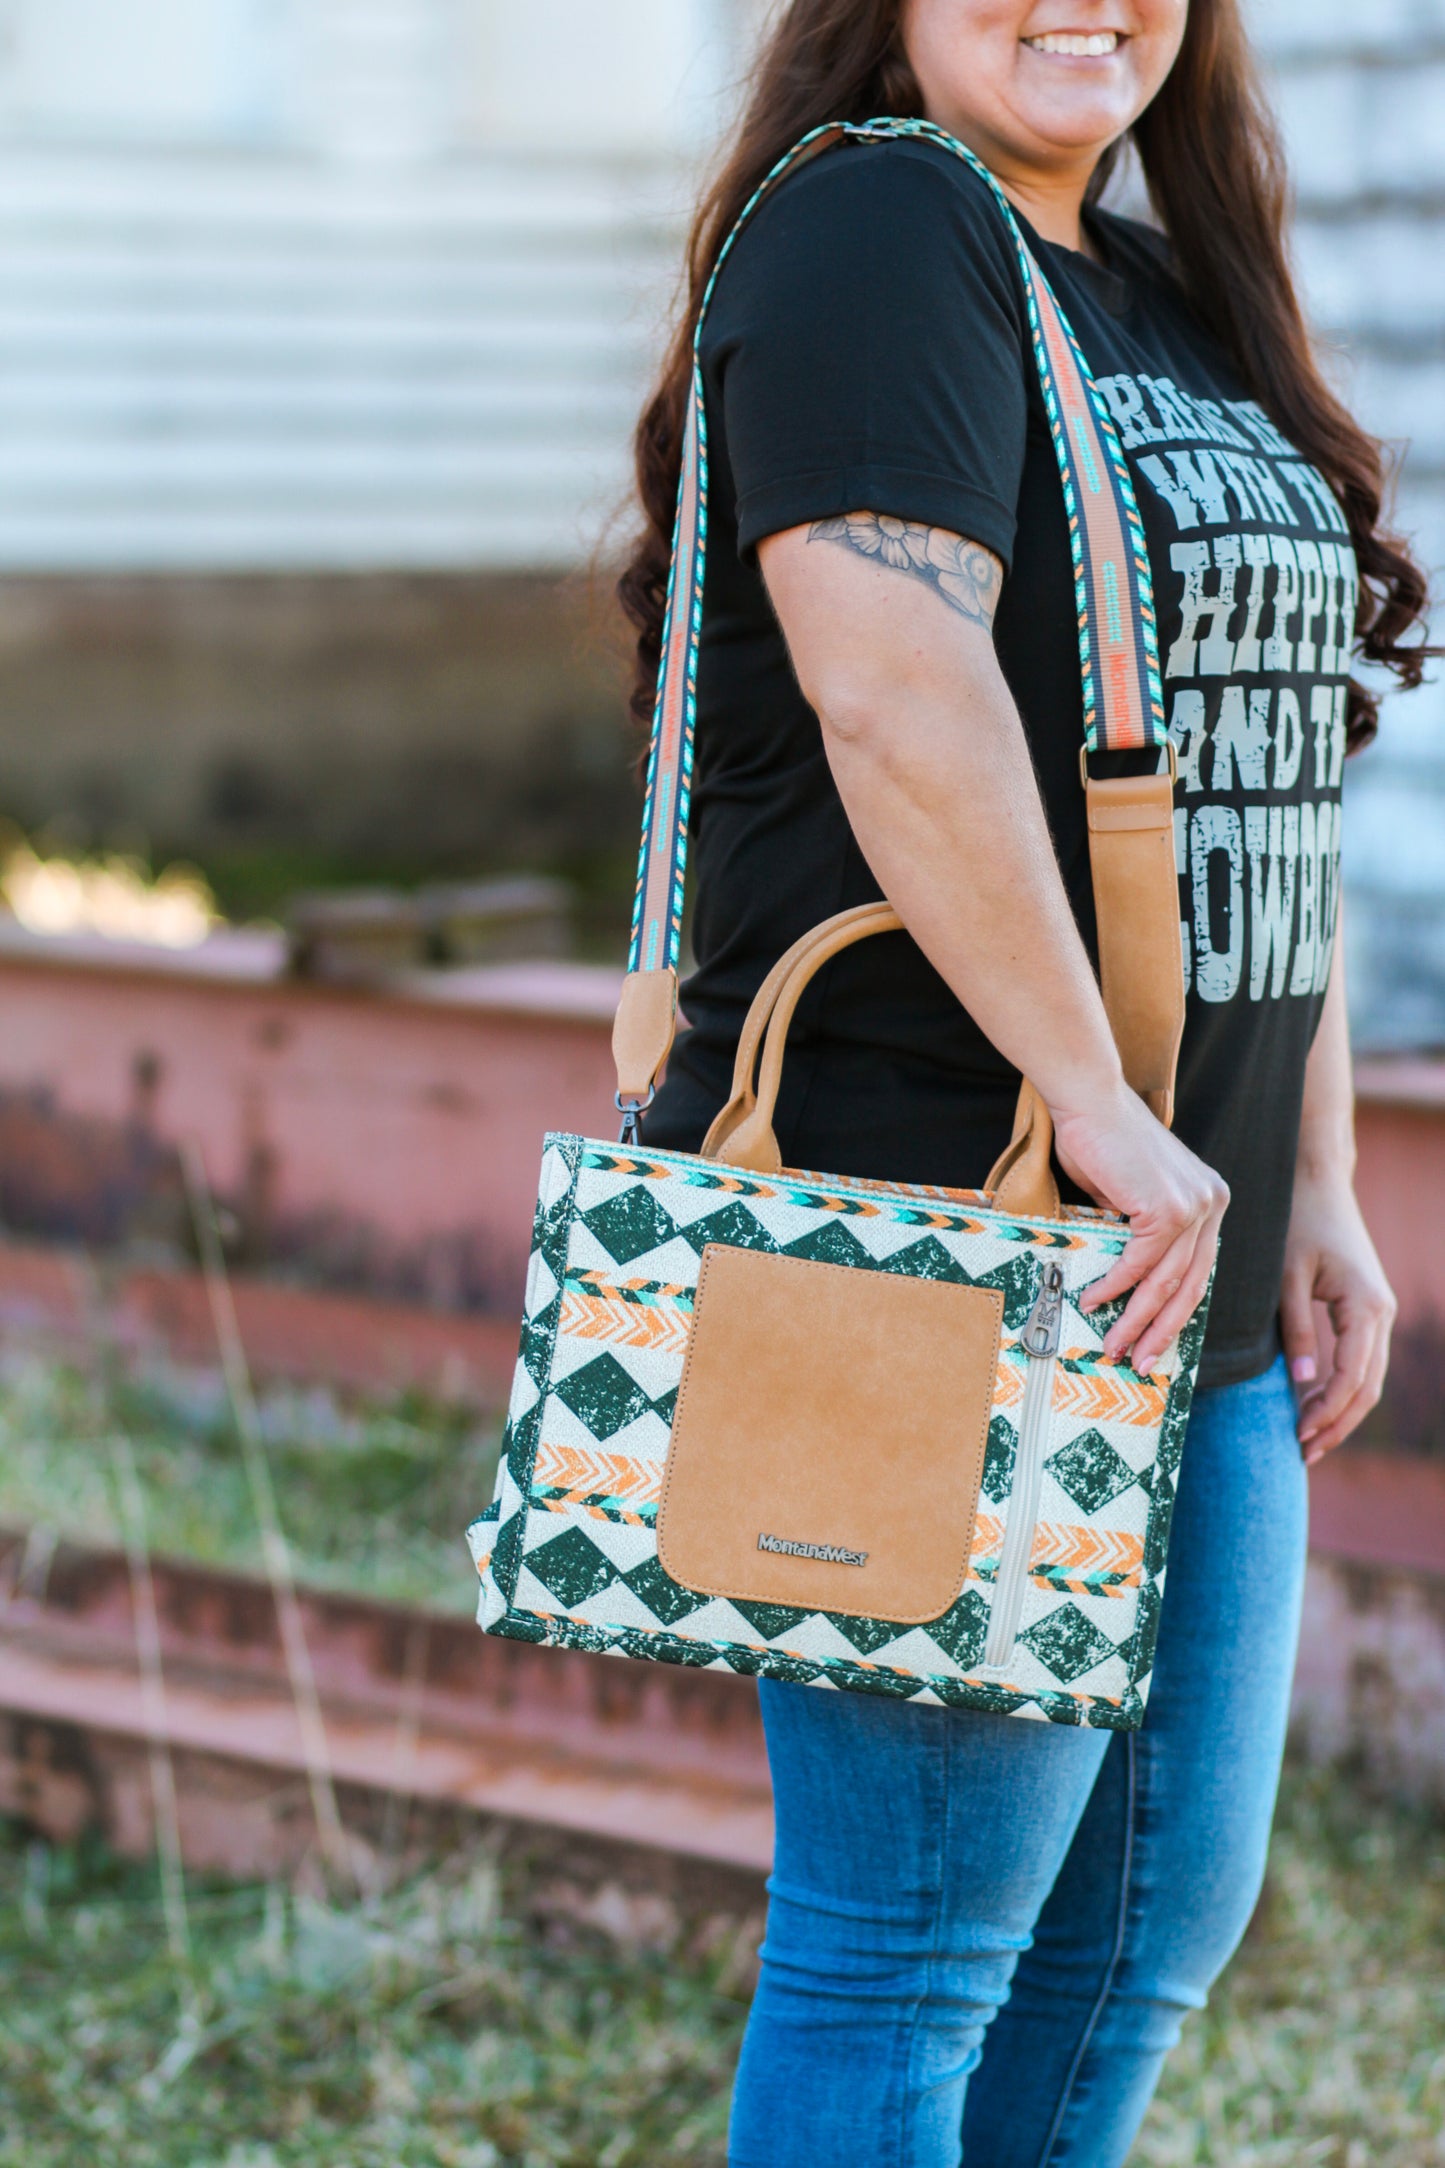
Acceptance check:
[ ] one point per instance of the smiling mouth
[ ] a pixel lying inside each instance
(1076, 44)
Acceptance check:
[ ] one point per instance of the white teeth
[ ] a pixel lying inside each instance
(1077, 44)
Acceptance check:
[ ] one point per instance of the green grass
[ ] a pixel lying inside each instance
(1324, 2045)
(430, 2029)
(372, 1496)
(452, 2023)
(446, 2026)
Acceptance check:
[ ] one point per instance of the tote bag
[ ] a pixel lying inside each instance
(850, 1433)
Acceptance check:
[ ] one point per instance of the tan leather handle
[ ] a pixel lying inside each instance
(1023, 1178)
(868, 918)
(1131, 851)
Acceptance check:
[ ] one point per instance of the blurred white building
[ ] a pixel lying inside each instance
(1362, 92)
(332, 283)
(349, 285)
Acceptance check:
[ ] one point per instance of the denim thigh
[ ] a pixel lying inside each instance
(1167, 1865)
(938, 1867)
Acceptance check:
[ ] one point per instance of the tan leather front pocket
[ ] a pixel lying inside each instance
(828, 1445)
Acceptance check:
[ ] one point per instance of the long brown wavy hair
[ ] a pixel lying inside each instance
(1211, 157)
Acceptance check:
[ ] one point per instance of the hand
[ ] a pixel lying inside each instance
(1330, 1258)
(1174, 1204)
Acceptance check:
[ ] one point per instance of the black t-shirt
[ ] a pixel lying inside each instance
(868, 348)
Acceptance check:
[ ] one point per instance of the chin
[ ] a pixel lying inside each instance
(1071, 126)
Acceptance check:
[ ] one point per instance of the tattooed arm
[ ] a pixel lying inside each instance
(966, 575)
(889, 624)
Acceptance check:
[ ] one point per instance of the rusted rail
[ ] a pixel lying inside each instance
(429, 1724)
(68, 1301)
(375, 1151)
(417, 1706)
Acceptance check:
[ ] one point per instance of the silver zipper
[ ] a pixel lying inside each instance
(1040, 1342)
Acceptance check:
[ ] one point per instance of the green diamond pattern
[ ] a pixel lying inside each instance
(1018, 1282)
(831, 1244)
(667, 1599)
(734, 1226)
(998, 1460)
(1140, 1645)
(961, 1632)
(1068, 1643)
(769, 1619)
(1156, 1542)
(866, 1634)
(571, 1567)
(925, 1260)
(603, 1396)
(630, 1224)
(1090, 1471)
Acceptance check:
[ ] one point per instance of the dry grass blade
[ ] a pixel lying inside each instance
(153, 1695)
(334, 1843)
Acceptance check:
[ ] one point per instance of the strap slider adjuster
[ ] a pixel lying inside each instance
(1168, 748)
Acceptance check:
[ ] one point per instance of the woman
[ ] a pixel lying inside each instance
(985, 1933)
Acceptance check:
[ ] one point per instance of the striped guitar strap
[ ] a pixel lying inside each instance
(1130, 818)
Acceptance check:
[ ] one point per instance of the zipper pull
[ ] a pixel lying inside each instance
(1041, 1334)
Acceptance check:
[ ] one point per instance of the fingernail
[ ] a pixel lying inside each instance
(1306, 1435)
(1313, 1458)
(1088, 1302)
(1302, 1370)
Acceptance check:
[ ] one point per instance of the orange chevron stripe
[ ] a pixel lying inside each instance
(605, 1315)
(1008, 1384)
(1109, 1396)
(1060, 1548)
(929, 1192)
(1099, 1393)
(589, 1473)
(1086, 1550)
(987, 1537)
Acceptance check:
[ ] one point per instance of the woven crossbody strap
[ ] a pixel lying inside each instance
(1123, 702)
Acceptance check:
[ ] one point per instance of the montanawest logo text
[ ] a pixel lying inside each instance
(832, 1554)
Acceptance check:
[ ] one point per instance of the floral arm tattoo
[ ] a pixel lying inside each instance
(966, 574)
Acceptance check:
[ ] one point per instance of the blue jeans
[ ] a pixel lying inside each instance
(984, 1933)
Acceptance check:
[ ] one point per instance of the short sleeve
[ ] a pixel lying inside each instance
(867, 349)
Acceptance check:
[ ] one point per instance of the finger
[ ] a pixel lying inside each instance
(1353, 1350)
(1174, 1271)
(1177, 1312)
(1355, 1410)
(1327, 1440)
(1297, 1327)
(1141, 1254)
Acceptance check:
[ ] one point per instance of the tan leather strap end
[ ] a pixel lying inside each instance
(1022, 1178)
(642, 1031)
(1136, 902)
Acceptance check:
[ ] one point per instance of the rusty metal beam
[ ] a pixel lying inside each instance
(415, 1704)
(64, 1300)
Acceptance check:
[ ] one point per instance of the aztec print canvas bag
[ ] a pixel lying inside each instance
(850, 1433)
